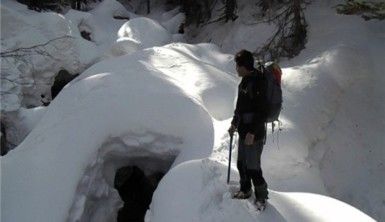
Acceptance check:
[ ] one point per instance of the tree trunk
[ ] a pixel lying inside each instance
(297, 10)
(230, 9)
(299, 28)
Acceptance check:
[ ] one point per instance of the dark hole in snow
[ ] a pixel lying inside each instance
(136, 189)
(61, 79)
(3, 148)
(86, 35)
(181, 28)
(121, 17)
(122, 178)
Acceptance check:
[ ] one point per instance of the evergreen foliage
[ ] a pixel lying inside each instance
(55, 5)
(287, 41)
(290, 37)
(367, 9)
(197, 11)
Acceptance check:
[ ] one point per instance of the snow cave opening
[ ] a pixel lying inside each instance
(61, 80)
(135, 189)
(118, 185)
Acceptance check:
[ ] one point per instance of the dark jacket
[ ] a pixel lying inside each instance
(250, 111)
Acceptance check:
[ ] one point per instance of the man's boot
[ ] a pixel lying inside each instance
(261, 195)
(242, 195)
(260, 205)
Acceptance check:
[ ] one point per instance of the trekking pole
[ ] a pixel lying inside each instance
(228, 169)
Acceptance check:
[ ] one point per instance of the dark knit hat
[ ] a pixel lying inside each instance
(245, 58)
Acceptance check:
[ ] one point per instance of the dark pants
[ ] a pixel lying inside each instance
(249, 167)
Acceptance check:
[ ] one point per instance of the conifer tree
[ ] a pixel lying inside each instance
(290, 37)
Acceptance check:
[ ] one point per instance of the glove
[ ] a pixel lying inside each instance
(232, 129)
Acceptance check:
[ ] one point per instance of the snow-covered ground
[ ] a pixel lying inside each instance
(334, 115)
(168, 108)
(206, 197)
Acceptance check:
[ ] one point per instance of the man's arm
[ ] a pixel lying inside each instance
(235, 121)
(236, 117)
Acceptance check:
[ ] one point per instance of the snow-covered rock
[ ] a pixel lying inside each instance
(143, 32)
(137, 34)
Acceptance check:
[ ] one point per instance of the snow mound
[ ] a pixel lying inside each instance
(112, 8)
(128, 109)
(123, 46)
(199, 193)
(145, 32)
(188, 65)
(101, 24)
(197, 70)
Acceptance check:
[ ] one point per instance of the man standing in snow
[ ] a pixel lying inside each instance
(249, 121)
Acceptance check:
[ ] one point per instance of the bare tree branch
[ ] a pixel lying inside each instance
(23, 55)
(25, 50)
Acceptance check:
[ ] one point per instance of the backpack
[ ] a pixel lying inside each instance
(272, 73)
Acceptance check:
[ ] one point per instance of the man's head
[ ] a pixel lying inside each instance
(244, 62)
